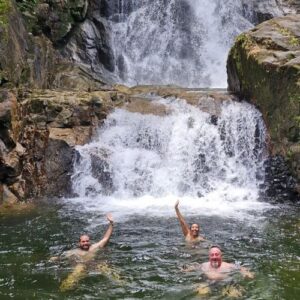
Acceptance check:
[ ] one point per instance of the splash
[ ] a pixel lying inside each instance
(142, 163)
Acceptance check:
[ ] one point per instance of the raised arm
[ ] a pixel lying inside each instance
(184, 225)
(106, 236)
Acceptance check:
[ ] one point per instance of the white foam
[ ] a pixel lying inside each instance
(154, 160)
(176, 42)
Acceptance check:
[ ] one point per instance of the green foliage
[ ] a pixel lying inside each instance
(27, 5)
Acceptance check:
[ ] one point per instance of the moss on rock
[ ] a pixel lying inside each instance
(264, 67)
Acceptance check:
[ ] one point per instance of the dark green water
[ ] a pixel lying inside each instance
(148, 253)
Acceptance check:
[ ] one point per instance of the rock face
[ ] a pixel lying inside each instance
(38, 132)
(264, 67)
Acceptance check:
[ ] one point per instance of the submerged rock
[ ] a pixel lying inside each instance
(264, 67)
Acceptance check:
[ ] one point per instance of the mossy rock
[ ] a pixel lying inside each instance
(264, 67)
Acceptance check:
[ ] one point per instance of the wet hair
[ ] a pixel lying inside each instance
(194, 224)
(215, 246)
(82, 236)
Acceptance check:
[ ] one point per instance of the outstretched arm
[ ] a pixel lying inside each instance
(106, 236)
(184, 225)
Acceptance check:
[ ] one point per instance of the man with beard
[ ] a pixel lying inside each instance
(217, 269)
(191, 233)
(86, 250)
(84, 259)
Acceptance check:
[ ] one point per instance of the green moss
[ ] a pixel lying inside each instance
(5, 6)
(292, 39)
(245, 41)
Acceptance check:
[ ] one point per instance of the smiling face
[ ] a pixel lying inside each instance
(194, 230)
(215, 257)
(84, 242)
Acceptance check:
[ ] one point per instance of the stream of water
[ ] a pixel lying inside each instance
(175, 42)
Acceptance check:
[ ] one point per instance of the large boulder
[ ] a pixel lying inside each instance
(264, 67)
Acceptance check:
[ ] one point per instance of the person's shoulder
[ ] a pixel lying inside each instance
(205, 266)
(229, 266)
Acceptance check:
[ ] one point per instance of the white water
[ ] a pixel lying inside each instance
(154, 160)
(175, 41)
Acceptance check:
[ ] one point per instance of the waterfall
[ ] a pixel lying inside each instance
(182, 42)
(142, 160)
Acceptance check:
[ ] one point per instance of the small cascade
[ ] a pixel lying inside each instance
(139, 160)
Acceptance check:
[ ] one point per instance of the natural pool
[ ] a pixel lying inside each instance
(148, 252)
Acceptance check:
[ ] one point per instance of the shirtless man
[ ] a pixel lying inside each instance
(191, 233)
(216, 268)
(83, 255)
(85, 250)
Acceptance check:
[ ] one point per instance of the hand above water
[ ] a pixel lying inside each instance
(110, 218)
(176, 204)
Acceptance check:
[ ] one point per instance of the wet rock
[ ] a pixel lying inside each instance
(58, 167)
(280, 184)
(90, 46)
(102, 171)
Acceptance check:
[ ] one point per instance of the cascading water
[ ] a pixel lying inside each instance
(175, 41)
(142, 163)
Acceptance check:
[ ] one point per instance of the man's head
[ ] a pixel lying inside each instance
(215, 257)
(194, 230)
(84, 242)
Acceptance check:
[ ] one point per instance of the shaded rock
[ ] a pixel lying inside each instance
(8, 104)
(90, 46)
(280, 184)
(56, 19)
(58, 167)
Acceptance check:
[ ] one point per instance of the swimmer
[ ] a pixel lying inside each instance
(191, 233)
(85, 252)
(85, 249)
(217, 269)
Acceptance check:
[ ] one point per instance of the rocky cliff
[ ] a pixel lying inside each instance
(264, 67)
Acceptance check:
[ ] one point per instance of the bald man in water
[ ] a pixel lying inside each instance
(216, 268)
(191, 233)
